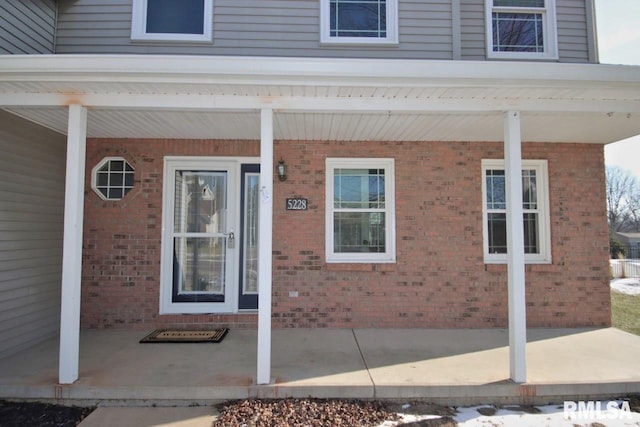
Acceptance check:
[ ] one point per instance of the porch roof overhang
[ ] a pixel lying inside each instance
(142, 96)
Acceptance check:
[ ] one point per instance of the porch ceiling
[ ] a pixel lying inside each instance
(220, 98)
(391, 126)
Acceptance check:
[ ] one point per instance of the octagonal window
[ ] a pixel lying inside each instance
(112, 178)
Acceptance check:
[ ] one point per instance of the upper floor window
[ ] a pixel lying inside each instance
(172, 20)
(360, 210)
(524, 29)
(359, 21)
(535, 202)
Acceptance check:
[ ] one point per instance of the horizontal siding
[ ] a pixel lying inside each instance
(27, 26)
(32, 174)
(572, 31)
(473, 30)
(254, 27)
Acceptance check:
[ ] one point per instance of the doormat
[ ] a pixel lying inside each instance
(185, 336)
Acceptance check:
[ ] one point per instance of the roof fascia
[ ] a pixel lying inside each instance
(311, 71)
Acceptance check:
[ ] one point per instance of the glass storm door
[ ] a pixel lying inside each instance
(210, 236)
(249, 202)
(202, 236)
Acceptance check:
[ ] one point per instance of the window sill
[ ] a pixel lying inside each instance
(373, 267)
(138, 40)
(514, 56)
(529, 267)
(359, 42)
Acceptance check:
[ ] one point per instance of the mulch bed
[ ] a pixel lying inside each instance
(23, 414)
(322, 412)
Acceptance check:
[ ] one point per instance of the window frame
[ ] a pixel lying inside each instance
(389, 256)
(139, 19)
(126, 189)
(549, 27)
(392, 27)
(544, 227)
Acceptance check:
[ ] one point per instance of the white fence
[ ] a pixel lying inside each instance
(621, 268)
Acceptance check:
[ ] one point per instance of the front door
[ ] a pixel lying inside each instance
(209, 246)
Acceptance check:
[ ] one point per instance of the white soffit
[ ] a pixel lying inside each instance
(141, 96)
(542, 127)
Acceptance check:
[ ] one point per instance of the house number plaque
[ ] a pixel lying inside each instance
(297, 204)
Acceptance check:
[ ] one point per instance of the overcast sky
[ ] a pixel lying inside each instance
(618, 24)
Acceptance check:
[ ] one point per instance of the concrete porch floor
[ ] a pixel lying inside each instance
(444, 366)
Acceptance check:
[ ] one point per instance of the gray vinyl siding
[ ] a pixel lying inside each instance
(254, 28)
(473, 30)
(573, 39)
(573, 45)
(32, 173)
(27, 26)
(291, 28)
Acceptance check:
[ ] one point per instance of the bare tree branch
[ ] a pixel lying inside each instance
(623, 200)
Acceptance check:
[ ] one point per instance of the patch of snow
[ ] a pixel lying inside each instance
(548, 416)
(626, 286)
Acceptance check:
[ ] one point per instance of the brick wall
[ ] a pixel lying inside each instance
(439, 279)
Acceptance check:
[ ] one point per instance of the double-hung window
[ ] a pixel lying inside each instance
(535, 205)
(524, 29)
(359, 21)
(172, 20)
(360, 210)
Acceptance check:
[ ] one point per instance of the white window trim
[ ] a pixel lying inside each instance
(392, 28)
(542, 176)
(550, 35)
(139, 19)
(94, 178)
(388, 165)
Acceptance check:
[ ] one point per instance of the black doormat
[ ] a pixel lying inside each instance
(185, 336)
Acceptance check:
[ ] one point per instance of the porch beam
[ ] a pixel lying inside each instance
(515, 243)
(204, 102)
(72, 245)
(265, 247)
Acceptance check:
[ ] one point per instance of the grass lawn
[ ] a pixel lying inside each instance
(625, 312)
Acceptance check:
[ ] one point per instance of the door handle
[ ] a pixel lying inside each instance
(231, 240)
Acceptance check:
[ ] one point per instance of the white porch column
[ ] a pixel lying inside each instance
(265, 248)
(515, 243)
(72, 245)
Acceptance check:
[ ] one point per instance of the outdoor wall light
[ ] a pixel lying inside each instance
(282, 170)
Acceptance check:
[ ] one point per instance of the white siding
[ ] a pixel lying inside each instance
(32, 166)
(254, 27)
(27, 26)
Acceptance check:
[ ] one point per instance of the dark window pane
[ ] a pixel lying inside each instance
(116, 179)
(495, 183)
(497, 226)
(518, 3)
(116, 165)
(102, 179)
(175, 16)
(359, 189)
(115, 193)
(531, 233)
(362, 18)
(518, 32)
(529, 190)
(104, 191)
(356, 232)
(128, 180)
